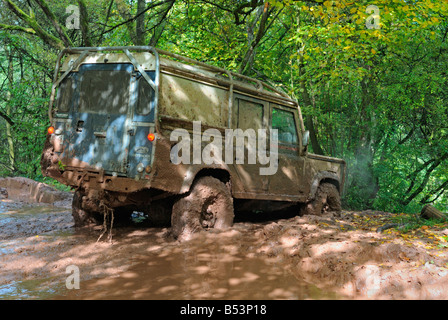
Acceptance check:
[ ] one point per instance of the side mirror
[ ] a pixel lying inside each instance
(305, 138)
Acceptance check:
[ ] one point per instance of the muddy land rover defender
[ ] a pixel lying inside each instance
(123, 118)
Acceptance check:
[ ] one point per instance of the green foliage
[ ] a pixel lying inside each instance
(377, 97)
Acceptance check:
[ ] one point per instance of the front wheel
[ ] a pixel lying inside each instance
(209, 204)
(327, 200)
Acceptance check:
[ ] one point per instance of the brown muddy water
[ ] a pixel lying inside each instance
(38, 245)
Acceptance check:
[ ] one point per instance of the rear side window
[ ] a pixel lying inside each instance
(145, 96)
(283, 121)
(104, 91)
(65, 94)
(250, 115)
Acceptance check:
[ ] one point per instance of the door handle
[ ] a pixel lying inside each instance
(79, 126)
(100, 134)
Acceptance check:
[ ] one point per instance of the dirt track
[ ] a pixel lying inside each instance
(290, 258)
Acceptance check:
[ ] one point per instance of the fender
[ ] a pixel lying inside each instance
(323, 176)
(195, 172)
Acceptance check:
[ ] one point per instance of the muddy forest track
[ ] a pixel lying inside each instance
(290, 257)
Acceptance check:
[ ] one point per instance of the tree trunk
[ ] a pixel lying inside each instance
(429, 212)
(247, 60)
(140, 31)
(10, 75)
(308, 103)
(84, 23)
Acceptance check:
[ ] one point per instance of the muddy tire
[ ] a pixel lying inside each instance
(209, 204)
(83, 217)
(327, 200)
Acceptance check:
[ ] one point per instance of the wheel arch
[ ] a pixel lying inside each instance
(218, 173)
(323, 177)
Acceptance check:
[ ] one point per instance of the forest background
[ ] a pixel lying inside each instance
(370, 76)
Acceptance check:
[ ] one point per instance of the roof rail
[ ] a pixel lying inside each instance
(232, 74)
(84, 51)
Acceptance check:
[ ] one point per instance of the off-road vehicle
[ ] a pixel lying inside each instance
(113, 112)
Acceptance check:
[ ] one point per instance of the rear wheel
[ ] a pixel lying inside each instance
(209, 204)
(327, 200)
(83, 217)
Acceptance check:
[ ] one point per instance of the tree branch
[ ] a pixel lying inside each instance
(420, 188)
(47, 72)
(441, 189)
(50, 15)
(132, 19)
(254, 43)
(408, 136)
(124, 13)
(17, 28)
(253, 4)
(7, 118)
(109, 9)
(31, 21)
(158, 30)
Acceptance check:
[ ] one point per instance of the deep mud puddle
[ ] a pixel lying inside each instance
(309, 257)
(211, 266)
(38, 243)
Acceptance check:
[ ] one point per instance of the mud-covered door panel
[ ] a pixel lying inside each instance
(249, 115)
(288, 181)
(99, 136)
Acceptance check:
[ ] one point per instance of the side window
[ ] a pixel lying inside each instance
(145, 96)
(283, 121)
(65, 94)
(250, 115)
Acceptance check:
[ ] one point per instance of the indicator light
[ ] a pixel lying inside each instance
(151, 137)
